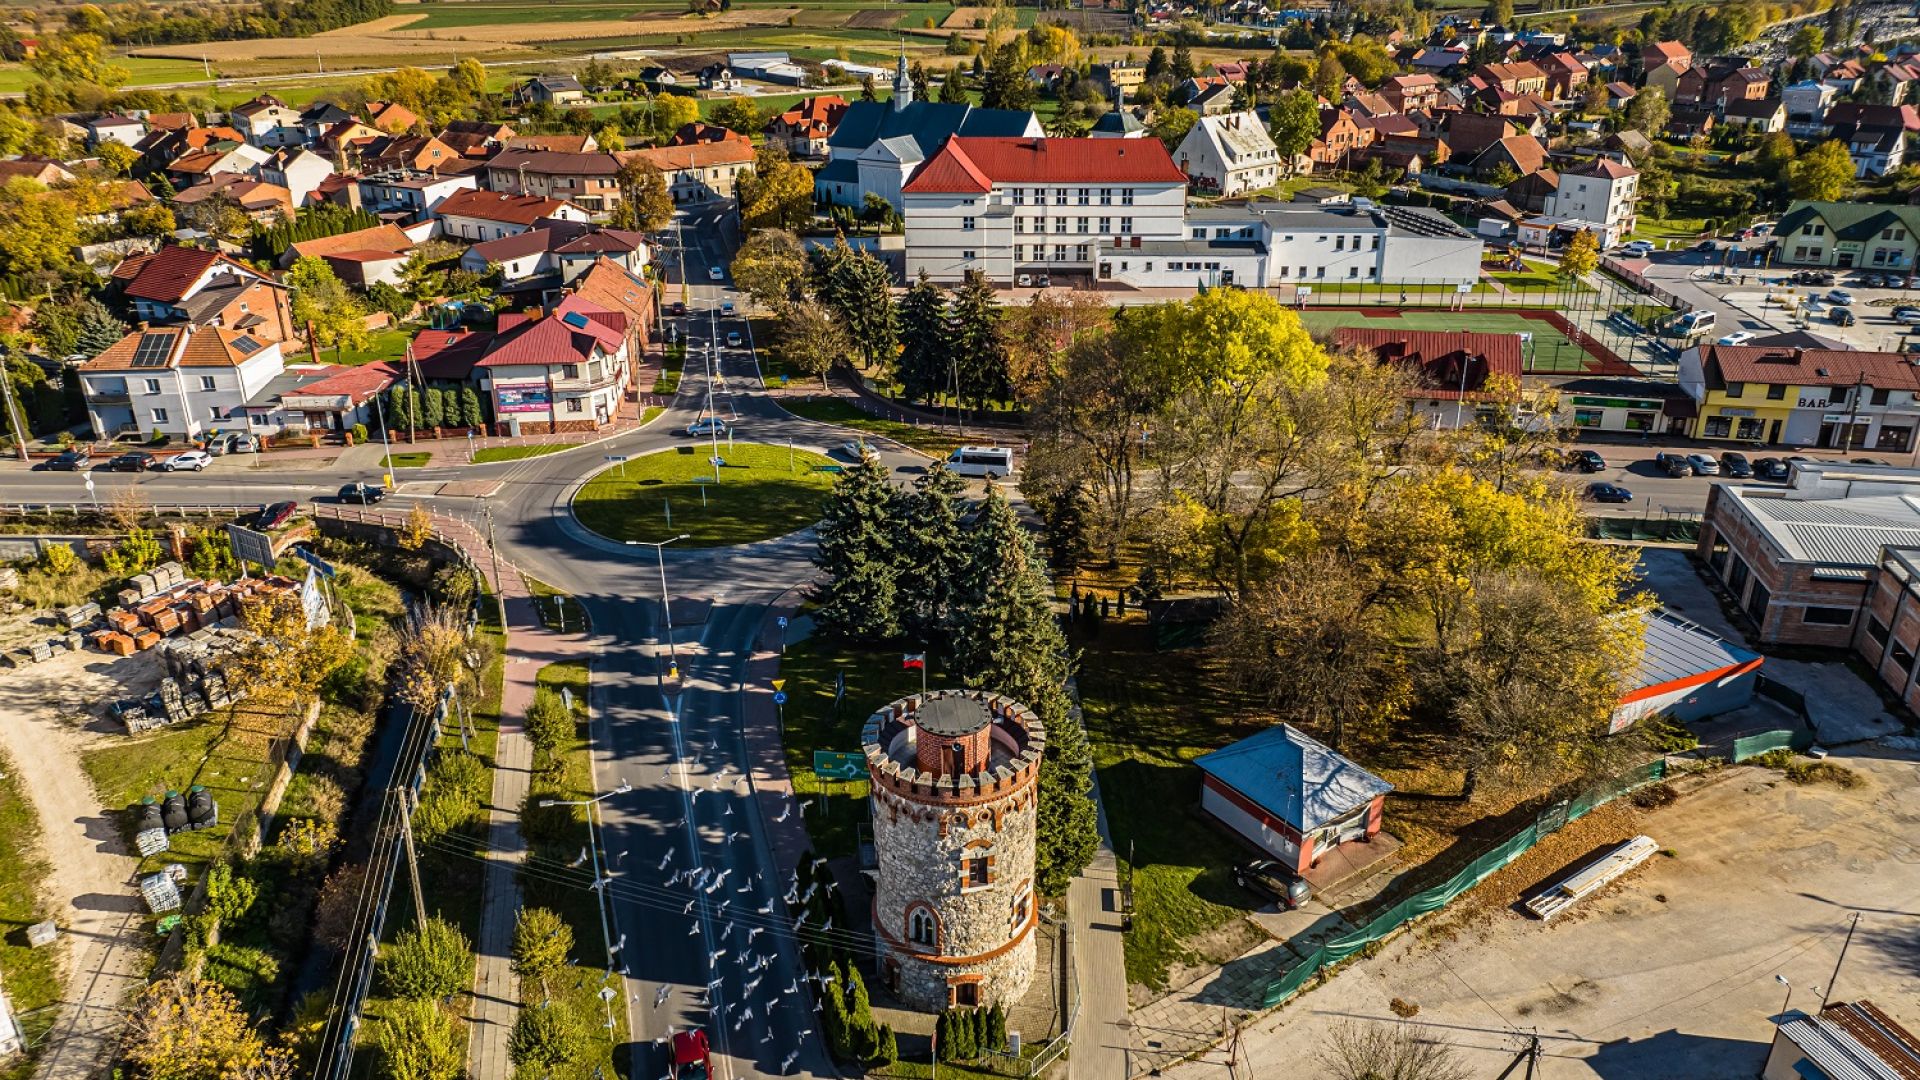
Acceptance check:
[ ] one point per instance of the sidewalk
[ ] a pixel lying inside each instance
(1101, 1031)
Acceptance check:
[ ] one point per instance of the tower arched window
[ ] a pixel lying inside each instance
(920, 927)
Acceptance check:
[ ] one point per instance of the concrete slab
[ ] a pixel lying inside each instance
(1841, 705)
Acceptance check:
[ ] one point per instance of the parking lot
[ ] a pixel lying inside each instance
(1766, 300)
(1670, 973)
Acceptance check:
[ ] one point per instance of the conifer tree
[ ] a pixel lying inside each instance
(996, 1029)
(856, 549)
(470, 415)
(943, 1035)
(833, 1014)
(930, 550)
(978, 342)
(98, 330)
(433, 411)
(924, 329)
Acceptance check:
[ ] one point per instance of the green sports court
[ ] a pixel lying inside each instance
(1550, 352)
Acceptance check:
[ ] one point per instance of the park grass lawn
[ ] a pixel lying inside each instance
(760, 495)
(559, 611)
(671, 365)
(1538, 276)
(32, 976)
(834, 410)
(408, 459)
(1149, 714)
(1675, 231)
(1647, 315)
(516, 453)
(874, 677)
(383, 345)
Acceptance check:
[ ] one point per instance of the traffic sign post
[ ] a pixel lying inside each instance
(780, 705)
(621, 461)
(783, 644)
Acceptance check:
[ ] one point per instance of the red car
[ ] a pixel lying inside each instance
(690, 1060)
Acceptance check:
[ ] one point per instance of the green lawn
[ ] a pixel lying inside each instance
(1551, 351)
(813, 722)
(671, 365)
(1149, 715)
(1538, 276)
(763, 492)
(515, 453)
(408, 459)
(385, 345)
(1677, 232)
(32, 976)
(558, 611)
(15, 78)
(835, 410)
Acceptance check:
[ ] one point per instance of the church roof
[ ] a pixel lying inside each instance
(928, 123)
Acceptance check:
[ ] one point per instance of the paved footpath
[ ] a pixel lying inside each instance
(1100, 967)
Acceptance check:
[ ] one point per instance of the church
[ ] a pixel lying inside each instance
(879, 145)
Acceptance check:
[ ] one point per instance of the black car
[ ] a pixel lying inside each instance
(1608, 493)
(1769, 468)
(1841, 316)
(364, 494)
(132, 461)
(1674, 465)
(1735, 465)
(1585, 461)
(274, 516)
(1267, 876)
(75, 460)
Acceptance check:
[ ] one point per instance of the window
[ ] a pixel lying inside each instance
(213, 412)
(1060, 225)
(1126, 196)
(1902, 657)
(1106, 224)
(1080, 225)
(1080, 253)
(570, 371)
(1126, 225)
(1353, 271)
(920, 927)
(1059, 253)
(1019, 196)
(1059, 196)
(1827, 616)
(967, 255)
(1106, 196)
(206, 382)
(573, 405)
(1881, 397)
(1085, 197)
(1319, 271)
(1017, 912)
(966, 224)
(1776, 392)
(153, 386)
(1735, 389)
(159, 416)
(1376, 244)
(1339, 243)
(975, 872)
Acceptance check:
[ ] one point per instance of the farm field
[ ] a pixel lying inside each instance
(15, 78)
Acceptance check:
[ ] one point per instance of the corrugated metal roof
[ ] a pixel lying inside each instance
(1293, 777)
(1844, 532)
(1855, 1041)
(1673, 649)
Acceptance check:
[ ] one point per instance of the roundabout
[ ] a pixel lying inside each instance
(761, 492)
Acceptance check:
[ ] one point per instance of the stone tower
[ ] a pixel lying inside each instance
(956, 778)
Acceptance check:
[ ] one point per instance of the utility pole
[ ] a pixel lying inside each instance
(413, 857)
(1827, 994)
(13, 409)
(1529, 1055)
(499, 593)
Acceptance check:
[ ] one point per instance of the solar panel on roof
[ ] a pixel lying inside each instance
(246, 346)
(575, 320)
(152, 350)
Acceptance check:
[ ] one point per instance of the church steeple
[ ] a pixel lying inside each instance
(902, 82)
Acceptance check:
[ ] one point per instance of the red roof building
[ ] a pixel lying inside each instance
(804, 129)
(977, 165)
(204, 288)
(1453, 370)
(566, 371)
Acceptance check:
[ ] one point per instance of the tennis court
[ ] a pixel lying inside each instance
(1549, 351)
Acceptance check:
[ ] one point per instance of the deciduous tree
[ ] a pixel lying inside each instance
(428, 962)
(1579, 258)
(812, 340)
(542, 941)
(1379, 1050)
(186, 1029)
(645, 202)
(778, 194)
(418, 1040)
(1649, 111)
(771, 267)
(1822, 174)
(1294, 123)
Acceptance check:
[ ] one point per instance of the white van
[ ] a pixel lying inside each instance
(991, 462)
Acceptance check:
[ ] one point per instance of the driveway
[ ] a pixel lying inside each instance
(1670, 973)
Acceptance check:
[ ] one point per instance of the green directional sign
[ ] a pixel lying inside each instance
(839, 765)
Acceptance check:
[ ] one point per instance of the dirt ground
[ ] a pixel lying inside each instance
(1670, 972)
(48, 715)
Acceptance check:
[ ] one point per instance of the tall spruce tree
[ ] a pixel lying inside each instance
(859, 600)
(99, 330)
(979, 342)
(1007, 639)
(931, 548)
(925, 328)
(867, 291)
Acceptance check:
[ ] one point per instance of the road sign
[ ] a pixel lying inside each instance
(716, 461)
(250, 545)
(315, 561)
(1463, 287)
(779, 684)
(616, 457)
(783, 623)
(838, 765)
(780, 698)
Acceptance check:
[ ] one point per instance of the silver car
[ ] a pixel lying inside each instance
(1702, 465)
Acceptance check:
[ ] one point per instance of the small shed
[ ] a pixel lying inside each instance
(1291, 796)
(1687, 672)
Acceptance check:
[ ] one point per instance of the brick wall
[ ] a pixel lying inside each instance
(1749, 560)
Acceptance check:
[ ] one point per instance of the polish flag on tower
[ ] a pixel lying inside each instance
(914, 660)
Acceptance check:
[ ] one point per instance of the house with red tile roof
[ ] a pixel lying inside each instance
(391, 116)
(38, 170)
(1409, 92)
(183, 381)
(190, 286)
(702, 172)
(490, 215)
(700, 132)
(803, 129)
(416, 153)
(383, 237)
(564, 371)
(558, 143)
(329, 397)
(1454, 372)
(262, 202)
(590, 181)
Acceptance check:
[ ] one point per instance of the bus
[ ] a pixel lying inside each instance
(991, 462)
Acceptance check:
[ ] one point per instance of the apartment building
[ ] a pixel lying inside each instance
(1602, 192)
(701, 172)
(590, 181)
(182, 381)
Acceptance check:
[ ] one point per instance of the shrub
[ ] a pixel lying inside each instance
(417, 1040)
(432, 960)
(550, 724)
(229, 896)
(248, 973)
(1822, 772)
(59, 560)
(541, 942)
(544, 1036)
(1655, 796)
(359, 434)
(1773, 759)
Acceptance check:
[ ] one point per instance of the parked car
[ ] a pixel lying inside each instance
(707, 425)
(76, 459)
(1637, 249)
(1839, 296)
(274, 516)
(1608, 493)
(1872, 281)
(726, 307)
(131, 461)
(1841, 316)
(1275, 880)
(1738, 337)
(1769, 468)
(733, 339)
(192, 459)
(1585, 461)
(1907, 316)
(714, 273)
(1672, 464)
(1867, 461)
(1702, 465)
(1735, 465)
(364, 494)
(678, 307)
(243, 444)
(1706, 245)
(1823, 277)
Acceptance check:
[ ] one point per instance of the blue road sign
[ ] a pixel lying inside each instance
(779, 697)
(716, 461)
(783, 622)
(315, 561)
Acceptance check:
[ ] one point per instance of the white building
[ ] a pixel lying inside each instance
(416, 194)
(1604, 192)
(1806, 104)
(268, 122)
(489, 215)
(299, 170)
(177, 380)
(1262, 245)
(1009, 207)
(1227, 155)
(114, 127)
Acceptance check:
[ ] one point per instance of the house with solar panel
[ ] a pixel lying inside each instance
(184, 381)
(197, 288)
(565, 371)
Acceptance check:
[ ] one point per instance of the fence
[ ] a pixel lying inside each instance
(1667, 527)
(1550, 819)
(1750, 746)
(1638, 281)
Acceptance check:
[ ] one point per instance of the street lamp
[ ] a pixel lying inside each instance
(666, 608)
(1782, 980)
(593, 845)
